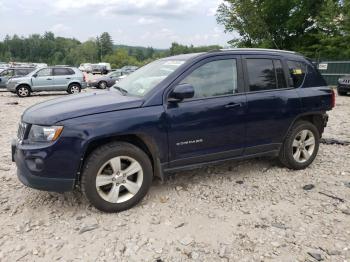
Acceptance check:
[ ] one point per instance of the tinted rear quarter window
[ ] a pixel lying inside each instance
(297, 71)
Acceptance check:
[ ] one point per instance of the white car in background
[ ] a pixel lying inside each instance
(86, 67)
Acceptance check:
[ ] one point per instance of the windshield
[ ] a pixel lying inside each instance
(146, 78)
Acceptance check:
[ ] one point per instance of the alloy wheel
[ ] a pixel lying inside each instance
(303, 146)
(119, 179)
(23, 91)
(75, 89)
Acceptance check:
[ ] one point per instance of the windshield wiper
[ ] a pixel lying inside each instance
(121, 90)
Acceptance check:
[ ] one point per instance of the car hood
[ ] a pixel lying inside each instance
(72, 106)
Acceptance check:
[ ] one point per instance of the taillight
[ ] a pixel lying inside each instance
(84, 77)
(333, 98)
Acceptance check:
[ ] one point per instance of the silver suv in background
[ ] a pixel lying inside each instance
(68, 79)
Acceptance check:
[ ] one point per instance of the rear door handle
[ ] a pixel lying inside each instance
(233, 105)
(48, 78)
(67, 77)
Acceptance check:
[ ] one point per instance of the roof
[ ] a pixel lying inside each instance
(234, 50)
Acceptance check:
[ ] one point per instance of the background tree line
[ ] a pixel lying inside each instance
(54, 50)
(320, 29)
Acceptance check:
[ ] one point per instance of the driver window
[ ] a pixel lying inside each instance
(215, 78)
(44, 72)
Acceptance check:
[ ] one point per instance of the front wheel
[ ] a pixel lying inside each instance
(23, 91)
(300, 146)
(116, 177)
(102, 85)
(74, 89)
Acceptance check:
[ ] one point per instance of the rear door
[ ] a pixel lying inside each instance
(62, 77)
(210, 126)
(272, 104)
(43, 80)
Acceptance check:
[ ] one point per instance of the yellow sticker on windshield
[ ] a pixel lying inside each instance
(297, 72)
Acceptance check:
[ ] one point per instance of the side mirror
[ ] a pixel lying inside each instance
(181, 92)
(35, 75)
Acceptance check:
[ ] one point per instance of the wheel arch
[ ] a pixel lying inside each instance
(141, 141)
(316, 118)
(24, 84)
(74, 82)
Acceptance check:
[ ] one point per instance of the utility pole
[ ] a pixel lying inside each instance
(101, 50)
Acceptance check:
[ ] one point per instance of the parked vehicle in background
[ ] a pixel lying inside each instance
(68, 79)
(343, 85)
(106, 65)
(172, 114)
(98, 69)
(128, 69)
(86, 67)
(106, 81)
(3, 65)
(13, 72)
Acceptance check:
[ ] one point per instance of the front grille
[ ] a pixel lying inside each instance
(21, 131)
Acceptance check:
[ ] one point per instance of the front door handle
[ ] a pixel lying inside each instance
(233, 105)
(48, 78)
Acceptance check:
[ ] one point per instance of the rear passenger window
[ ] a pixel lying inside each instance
(63, 71)
(215, 78)
(297, 71)
(265, 74)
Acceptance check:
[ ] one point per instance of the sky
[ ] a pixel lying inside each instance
(155, 23)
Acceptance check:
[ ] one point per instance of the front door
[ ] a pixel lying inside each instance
(210, 126)
(43, 80)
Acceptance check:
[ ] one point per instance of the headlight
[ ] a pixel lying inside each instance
(44, 133)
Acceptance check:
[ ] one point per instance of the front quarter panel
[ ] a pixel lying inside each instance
(144, 122)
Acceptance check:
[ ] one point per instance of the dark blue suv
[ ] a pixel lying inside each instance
(175, 113)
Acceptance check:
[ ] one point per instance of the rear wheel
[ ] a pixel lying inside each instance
(74, 89)
(300, 146)
(23, 91)
(116, 177)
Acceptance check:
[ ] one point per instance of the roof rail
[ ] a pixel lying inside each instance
(258, 49)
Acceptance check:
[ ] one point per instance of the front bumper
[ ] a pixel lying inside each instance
(31, 170)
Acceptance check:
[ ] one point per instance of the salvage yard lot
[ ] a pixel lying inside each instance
(238, 211)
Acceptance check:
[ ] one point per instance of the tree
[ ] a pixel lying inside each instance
(105, 44)
(269, 23)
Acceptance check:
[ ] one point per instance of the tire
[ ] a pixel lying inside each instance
(23, 91)
(102, 85)
(113, 179)
(341, 93)
(74, 89)
(295, 147)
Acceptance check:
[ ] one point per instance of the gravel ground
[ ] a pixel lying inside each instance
(239, 211)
